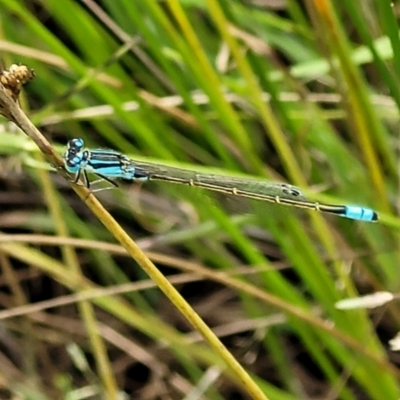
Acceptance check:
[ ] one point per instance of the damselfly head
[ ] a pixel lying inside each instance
(73, 155)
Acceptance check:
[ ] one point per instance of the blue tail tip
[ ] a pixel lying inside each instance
(361, 214)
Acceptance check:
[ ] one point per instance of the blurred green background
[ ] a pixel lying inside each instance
(300, 92)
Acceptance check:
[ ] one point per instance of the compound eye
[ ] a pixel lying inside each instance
(73, 164)
(75, 144)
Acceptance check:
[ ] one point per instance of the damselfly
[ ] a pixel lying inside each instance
(110, 164)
